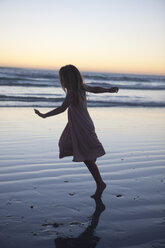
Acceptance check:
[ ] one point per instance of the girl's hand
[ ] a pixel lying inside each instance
(39, 114)
(114, 89)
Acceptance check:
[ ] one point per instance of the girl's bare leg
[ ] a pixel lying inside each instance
(97, 177)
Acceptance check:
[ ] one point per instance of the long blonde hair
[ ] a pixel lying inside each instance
(71, 79)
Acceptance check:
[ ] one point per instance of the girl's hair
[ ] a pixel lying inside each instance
(71, 79)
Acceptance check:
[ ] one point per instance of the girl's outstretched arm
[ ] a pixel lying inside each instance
(57, 110)
(101, 89)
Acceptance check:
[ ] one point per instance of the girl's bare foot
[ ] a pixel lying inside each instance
(99, 190)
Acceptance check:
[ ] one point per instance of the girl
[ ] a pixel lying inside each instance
(79, 138)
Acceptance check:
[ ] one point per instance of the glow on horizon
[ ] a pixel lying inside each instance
(110, 35)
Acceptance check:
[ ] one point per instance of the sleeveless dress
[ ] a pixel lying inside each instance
(79, 138)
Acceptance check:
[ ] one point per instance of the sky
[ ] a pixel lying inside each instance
(123, 36)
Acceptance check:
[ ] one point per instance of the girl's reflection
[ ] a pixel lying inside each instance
(87, 239)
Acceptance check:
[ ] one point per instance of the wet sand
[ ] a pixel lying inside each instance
(45, 201)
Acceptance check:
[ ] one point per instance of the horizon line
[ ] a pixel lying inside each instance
(81, 70)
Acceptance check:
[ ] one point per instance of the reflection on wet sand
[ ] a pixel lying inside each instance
(86, 239)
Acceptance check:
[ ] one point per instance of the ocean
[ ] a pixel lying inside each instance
(20, 87)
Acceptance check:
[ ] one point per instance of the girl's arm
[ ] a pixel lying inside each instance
(101, 89)
(58, 110)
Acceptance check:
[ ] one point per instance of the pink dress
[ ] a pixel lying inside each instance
(79, 138)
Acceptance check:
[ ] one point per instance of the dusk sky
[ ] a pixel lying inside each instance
(126, 36)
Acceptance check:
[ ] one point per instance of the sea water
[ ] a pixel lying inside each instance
(20, 87)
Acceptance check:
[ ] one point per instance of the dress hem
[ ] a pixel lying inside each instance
(82, 160)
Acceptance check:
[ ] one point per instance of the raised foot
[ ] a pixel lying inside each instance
(99, 191)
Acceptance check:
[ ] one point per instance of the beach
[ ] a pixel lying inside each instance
(45, 201)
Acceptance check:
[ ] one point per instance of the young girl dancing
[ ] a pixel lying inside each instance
(79, 138)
